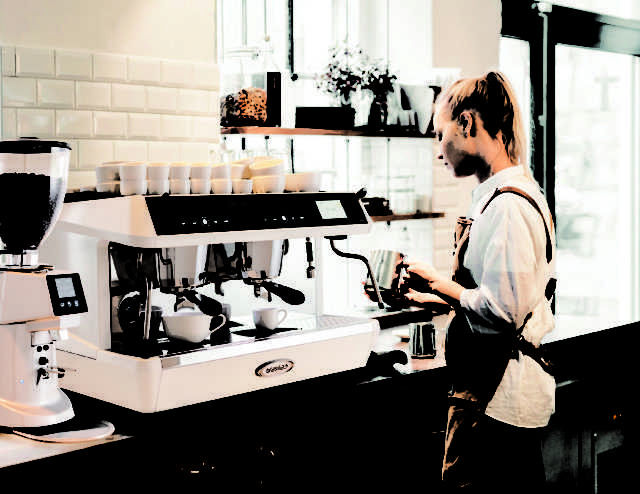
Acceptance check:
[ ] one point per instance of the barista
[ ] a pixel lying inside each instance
(502, 395)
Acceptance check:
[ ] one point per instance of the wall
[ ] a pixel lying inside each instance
(118, 80)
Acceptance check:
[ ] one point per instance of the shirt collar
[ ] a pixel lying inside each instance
(493, 182)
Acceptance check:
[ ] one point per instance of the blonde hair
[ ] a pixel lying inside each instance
(493, 97)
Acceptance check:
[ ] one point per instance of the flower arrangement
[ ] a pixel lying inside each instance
(343, 74)
(350, 69)
(379, 80)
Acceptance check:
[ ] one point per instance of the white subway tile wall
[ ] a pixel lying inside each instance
(111, 106)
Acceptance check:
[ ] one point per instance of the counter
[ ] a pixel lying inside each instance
(368, 428)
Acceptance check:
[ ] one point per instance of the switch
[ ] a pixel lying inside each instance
(43, 361)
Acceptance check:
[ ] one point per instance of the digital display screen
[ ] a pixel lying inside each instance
(331, 210)
(65, 287)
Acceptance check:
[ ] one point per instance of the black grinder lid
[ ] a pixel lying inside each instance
(30, 145)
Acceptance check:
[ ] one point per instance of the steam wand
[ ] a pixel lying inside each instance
(360, 258)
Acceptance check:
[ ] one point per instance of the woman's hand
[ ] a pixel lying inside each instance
(421, 275)
(423, 279)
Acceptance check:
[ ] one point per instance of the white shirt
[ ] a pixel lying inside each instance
(506, 256)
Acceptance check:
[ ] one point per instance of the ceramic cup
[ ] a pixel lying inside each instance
(269, 317)
(268, 183)
(241, 185)
(133, 170)
(221, 170)
(201, 171)
(221, 186)
(113, 187)
(133, 187)
(200, 186)
(158, 171)
(158, 186)
(179, 186)
(109, 171)
(180, 170)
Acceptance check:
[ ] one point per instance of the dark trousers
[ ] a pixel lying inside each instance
(485, 455)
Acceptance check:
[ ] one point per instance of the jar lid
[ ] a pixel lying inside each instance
(30, 145)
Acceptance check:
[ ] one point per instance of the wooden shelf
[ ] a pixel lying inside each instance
(357, 132)
(409, 216)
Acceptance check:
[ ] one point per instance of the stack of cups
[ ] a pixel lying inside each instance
(133, 178)
(158, 175)
(200, 178)
(108, 177)
(221, 178)
(179, 173)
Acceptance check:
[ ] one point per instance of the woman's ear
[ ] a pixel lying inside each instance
(467, 123)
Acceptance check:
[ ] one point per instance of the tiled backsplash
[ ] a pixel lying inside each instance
(110, 106)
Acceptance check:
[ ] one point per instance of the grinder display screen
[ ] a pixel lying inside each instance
(65, 287)
(331, 210)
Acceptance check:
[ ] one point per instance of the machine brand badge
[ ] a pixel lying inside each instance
(274, 368)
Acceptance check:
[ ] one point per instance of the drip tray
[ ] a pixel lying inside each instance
(260, 333)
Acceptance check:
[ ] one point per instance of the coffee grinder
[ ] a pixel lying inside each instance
(38, 304)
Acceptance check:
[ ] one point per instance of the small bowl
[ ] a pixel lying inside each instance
(241, 185)
(221, 186)
(180, 170)
(133, 187)
(200, 186)
(158, 186)
(201, 171)
(267, 167)
(158, 171)
(133, 170)
(179, 186)
(190, 325)
(268, 183)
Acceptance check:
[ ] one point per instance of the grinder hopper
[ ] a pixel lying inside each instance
(33, 182)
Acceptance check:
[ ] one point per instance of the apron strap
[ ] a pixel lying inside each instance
(521, 193)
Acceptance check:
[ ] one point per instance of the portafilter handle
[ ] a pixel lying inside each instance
(359, 258)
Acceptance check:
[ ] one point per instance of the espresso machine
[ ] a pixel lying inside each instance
(38, 303)
(145, 259)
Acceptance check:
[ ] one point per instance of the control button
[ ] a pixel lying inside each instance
(76, 303)
(62, 305)
(205, 221)
(45, 347)
(39, 349)
(68, 303)
(43, 361)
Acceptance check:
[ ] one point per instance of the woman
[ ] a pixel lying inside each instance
(503, 275)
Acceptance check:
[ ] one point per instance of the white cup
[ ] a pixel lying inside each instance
(158, 171)
(113, 186)
(200, 186)
(221, 186)
(158, 186)
(180, 170)
(268, 183)
(221, 170)
(133, 170)
(201, 171)
(239, 170)
(241, 185)
(109, 171)
(133, 187)
(179, 186)
(269, 317)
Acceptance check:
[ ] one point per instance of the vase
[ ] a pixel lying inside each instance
(378, 114)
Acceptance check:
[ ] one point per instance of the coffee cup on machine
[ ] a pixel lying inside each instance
(269, 317)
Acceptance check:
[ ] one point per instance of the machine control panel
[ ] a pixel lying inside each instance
(67, 296)
(173, 215)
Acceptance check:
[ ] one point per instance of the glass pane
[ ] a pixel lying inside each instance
(594, 189)
(627, 9)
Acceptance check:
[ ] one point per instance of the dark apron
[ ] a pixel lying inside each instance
(476, 361)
